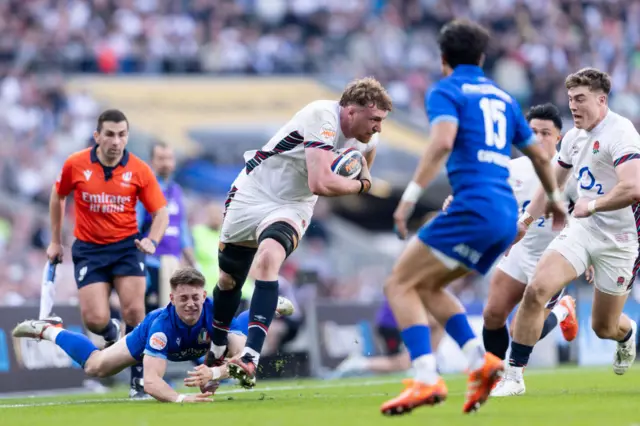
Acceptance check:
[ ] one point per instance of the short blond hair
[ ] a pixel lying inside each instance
(592, 78)
(187, 276)
(366, 92)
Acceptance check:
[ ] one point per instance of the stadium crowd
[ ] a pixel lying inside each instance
(536, 43)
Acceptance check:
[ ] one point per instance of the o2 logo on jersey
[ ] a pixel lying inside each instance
(495, 122)
(588, 181)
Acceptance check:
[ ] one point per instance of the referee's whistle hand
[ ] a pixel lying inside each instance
(54, 253)
(146, 246)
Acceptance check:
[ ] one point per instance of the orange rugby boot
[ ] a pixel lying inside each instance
(569, 325)
(481, 381)
(414, 395)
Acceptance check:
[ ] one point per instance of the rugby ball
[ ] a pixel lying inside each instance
(348, 163)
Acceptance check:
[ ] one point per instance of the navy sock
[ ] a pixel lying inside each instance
(520, 354)
(263, 307)
(627, 337)
(459, 329)
(136, 370)
(110, 332)
(417, 339)
(226, 304)
(496, 341)
(76, 345)
(549, 324)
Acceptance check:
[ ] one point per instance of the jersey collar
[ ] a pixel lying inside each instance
(123, 161)
(465, 69)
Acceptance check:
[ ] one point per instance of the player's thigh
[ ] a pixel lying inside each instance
(614, 268)
(131, 293)
(296, 216)
(565, 259)
(553, 272)
(110, 361)
(421, 267)
(94, 304)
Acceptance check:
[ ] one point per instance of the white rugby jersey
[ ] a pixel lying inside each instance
(594, 156)
(278, 171)
(525, 183)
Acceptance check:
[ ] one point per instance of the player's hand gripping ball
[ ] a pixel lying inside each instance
(348, 163)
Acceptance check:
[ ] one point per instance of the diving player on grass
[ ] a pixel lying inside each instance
(179, 332)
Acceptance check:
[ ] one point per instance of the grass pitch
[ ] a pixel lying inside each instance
(568, 396)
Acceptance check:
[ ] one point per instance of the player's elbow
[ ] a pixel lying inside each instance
(318, 185)
(443, 145)
(633, 189)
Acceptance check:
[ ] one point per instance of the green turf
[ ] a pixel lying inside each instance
(564, 397)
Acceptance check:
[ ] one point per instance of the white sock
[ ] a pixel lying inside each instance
(474, 352)
(218, 351)
(515, 372)
(561, 312)
(254, 354)
(50, 333)
(425, 369)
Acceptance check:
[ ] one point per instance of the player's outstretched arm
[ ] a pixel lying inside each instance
(154, 384)
(323, 182)
(625, 193)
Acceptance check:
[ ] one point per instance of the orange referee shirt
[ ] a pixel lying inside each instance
(106, 197)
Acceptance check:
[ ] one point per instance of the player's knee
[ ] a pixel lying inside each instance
(93, 366)
(494, 317)
(604, 329)
(234, 263)
(95, 321)
(535, 296)
(226, 281)
(133, 313)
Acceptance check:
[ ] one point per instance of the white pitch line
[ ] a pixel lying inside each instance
(329, 385)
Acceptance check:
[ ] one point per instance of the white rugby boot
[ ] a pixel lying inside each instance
(34, 328)
(511, 384)
(625, 352)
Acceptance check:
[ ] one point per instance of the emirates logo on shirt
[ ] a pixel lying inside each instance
(596, 147)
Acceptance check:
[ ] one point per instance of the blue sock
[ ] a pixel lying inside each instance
(136, 370)
(263, 307)
(417, 339)
(459, 329)
(76, 345)
(519, 354)
(549, 324)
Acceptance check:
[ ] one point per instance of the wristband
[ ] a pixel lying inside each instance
(526, 219)
(154, 242)
(363, 186)
(413, 192)
(591, 206)
(180, 398)
(555, 196)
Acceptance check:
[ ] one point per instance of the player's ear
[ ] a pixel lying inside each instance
(171, 298)
(204, 294)
(95, 136)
